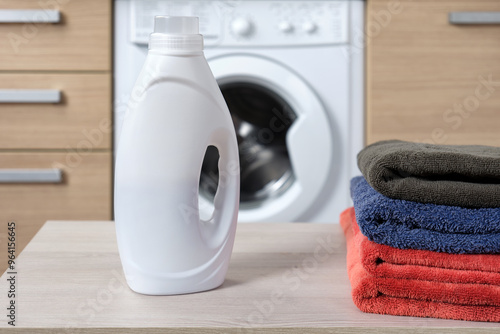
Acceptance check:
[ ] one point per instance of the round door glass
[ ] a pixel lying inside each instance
(262, 119)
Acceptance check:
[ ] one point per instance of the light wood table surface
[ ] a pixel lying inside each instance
(283, 278)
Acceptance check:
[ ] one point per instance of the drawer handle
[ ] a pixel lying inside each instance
(30, 175)
(474, 17)
(29, 16)
(30, 96)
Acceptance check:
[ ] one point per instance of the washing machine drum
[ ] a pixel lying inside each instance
(284, 137)
(261, 119)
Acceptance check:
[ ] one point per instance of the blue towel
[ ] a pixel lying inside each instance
(412, 225)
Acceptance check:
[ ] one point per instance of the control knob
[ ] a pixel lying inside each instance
(285, 27)
(242, 27)
(309, 27)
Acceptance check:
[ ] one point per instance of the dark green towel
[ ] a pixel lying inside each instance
(466, 175)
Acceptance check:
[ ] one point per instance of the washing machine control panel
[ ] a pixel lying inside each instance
(239, 23)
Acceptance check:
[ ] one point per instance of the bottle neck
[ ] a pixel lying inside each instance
(176, 53)
(188, 44)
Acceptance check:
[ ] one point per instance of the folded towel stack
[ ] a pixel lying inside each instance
(423, 237)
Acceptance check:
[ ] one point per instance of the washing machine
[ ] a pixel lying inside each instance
(291, 73)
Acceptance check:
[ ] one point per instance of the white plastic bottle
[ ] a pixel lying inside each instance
(176, 111)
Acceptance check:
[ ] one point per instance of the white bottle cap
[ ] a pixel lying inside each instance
(179, 34)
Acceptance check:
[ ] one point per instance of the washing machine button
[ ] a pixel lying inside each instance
(285, 27)
(242, 27)
(309, 27)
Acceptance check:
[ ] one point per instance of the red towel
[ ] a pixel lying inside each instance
(388, 280)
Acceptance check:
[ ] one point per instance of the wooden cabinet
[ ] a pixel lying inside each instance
(429, 79)
(81, 119)
(84, 189)
(55, 113)
(79, 39)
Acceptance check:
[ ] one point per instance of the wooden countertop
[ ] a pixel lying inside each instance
(282, 278)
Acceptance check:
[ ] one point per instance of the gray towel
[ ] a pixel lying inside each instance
(466, 176)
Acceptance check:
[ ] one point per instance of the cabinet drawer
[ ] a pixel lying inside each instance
(84, 192)
(430, 79)
(77, 36)
(81, 120)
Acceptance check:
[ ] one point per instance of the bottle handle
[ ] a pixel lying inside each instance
(216, 230)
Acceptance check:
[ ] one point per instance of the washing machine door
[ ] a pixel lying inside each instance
(286, 156)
